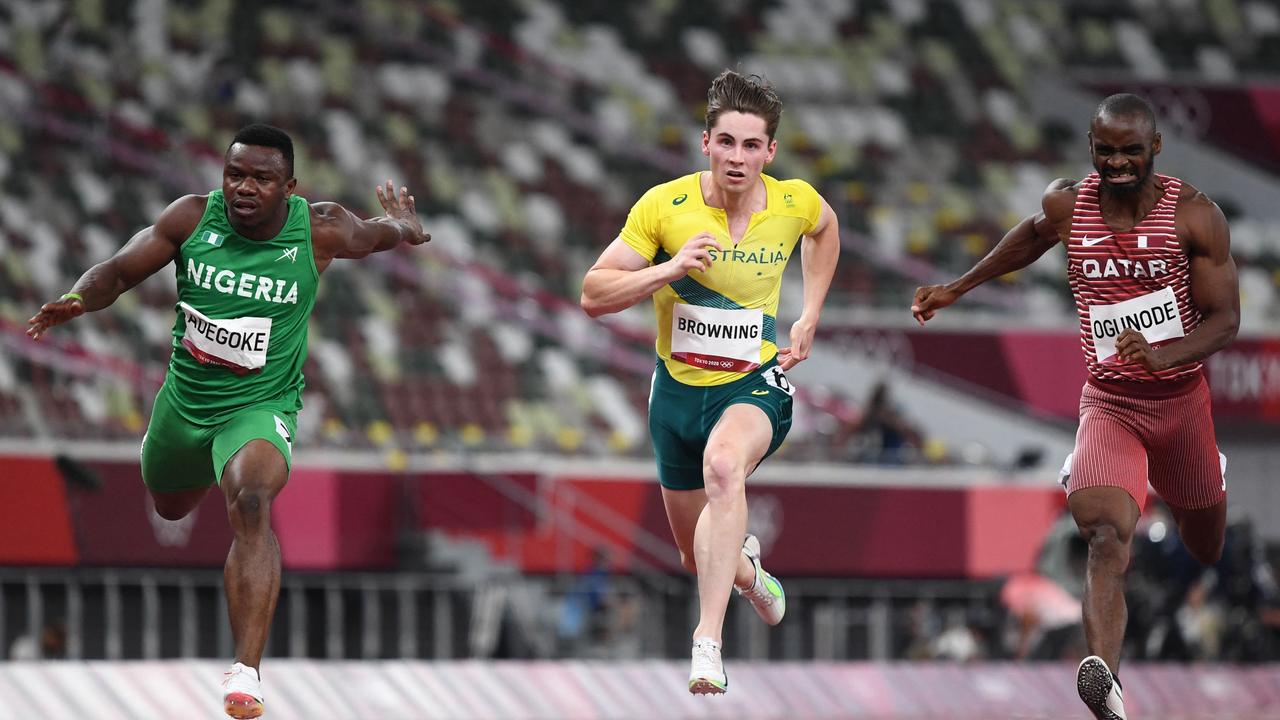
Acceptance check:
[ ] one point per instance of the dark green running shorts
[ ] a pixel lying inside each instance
(681, 418)
(178, 454)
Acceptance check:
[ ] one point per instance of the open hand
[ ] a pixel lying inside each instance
(54, 313)
(401, 207)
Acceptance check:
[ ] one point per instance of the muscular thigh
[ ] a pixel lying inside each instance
(744, 433)
(176, 453)
(272, 426)
(753, 413)
(1108, 453)
(1186, 468)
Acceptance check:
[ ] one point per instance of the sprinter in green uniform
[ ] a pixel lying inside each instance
(248, 260)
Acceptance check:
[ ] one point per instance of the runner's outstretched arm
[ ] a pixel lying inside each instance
(146, 252)
(340, 234)
(1021, 246)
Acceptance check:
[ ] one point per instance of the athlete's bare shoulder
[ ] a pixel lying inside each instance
(1200, 222)
(326, 210)
(331, 225)
(325, 216)
(1059, 200)
(1189, 196)
(188, 205)
(181, 218)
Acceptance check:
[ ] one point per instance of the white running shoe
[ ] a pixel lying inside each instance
(1099, 689)
(706, 675)
(241, 692)
(765, 594)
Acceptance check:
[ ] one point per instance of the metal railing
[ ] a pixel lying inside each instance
(133, 613)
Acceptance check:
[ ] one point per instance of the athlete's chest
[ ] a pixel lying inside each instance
(763, 248)
(1148, 253)
(220, 270)
(1139, 255)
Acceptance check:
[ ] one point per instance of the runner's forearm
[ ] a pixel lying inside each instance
(100, 285)
(607, 290)
(393, 231)
(1020, 247)
(1216, 331)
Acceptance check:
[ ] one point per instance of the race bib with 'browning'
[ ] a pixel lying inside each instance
(716, 339)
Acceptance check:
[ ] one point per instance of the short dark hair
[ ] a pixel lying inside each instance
(1126, 105)
(748, 94)
(266, 136)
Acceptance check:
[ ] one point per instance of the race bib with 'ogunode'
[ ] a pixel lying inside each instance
(239, 344)
(716, 339)
(1155, 315)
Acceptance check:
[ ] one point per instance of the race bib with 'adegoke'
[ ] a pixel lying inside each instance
(239, 344)
(716, 339)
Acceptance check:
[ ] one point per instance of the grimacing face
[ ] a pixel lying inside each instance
(1123, 149)
(255, 184)
(739, 149)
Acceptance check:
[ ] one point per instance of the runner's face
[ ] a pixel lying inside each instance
(1124, 150)
(739, 149)
(255, 183)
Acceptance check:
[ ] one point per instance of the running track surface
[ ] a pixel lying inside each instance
(639, 690)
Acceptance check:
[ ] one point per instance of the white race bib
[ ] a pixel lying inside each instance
(715, 339)
(236, 343)
(1155, 315)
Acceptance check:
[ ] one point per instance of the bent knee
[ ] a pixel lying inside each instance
(723, 473)
(1106, 542)
(249, 506)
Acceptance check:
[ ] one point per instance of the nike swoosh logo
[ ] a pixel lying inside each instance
(1090, 243)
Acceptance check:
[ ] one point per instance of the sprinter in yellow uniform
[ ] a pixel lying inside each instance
(710, 249)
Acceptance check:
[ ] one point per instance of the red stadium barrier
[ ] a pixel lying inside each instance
(35, 524)
(329, 519)
(1044, 371)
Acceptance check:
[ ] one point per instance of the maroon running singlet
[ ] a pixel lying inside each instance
(1137, 426)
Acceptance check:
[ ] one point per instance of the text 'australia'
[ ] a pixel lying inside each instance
(245, 285)
(758, 257)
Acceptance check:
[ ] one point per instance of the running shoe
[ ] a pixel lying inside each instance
(241, 692)
(1099, 689)
(765, 593)
(706, 674)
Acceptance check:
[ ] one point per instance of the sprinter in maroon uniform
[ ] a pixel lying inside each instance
(1149, 261)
